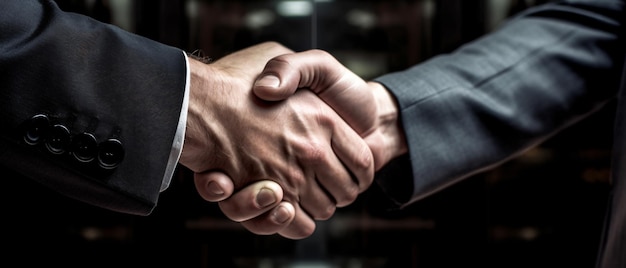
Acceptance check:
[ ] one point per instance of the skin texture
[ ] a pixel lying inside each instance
(367, 106)
(318, 160)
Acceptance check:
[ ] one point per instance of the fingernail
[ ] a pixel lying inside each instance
(265, 197)
(281, 214)
(215, 188)
(267, 81)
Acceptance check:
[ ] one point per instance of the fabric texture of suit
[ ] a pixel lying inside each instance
(90, 78)
(494, 98)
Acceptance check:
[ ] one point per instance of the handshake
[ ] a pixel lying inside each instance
(281, 139)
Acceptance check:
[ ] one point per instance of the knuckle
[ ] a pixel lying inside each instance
(326, 213)
(365, 159)
(364, 169)
(296, 180)
(313, 153)
(351, 194)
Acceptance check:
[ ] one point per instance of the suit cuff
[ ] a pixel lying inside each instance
(179, 138)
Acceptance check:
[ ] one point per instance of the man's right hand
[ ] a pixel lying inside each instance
(367, 106)
(319, 161)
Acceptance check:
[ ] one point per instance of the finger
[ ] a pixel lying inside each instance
(272, 221)
(343, 165)
(318, 71)
(333, 185)
(376, 143)
(317, 202)
(213, 186)
(252, 201)
(355, 154)
(301, 227)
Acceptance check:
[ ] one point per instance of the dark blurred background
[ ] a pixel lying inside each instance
(543, 209)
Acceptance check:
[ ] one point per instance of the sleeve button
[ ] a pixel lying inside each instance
(84, 147)
(36, 129)
(58, 139)
(110, 153)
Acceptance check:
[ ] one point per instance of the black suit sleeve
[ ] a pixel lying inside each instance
(86, 108)
(493, 98)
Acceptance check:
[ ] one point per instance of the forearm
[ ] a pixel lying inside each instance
(492, 99)
(91, 78)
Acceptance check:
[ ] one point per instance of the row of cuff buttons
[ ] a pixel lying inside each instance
(58, 140)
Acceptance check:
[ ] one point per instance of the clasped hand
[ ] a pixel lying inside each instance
(277, 158)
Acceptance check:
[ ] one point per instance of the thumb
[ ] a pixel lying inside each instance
(321, 73)
(213, 186)
(253, 201)
(269, 86)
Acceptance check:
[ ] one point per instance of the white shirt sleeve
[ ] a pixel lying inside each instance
(179, 138)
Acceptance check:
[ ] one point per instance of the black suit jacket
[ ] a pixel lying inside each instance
(87, 108)
(498, 96)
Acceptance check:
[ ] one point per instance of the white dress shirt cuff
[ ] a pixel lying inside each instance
(177, 145)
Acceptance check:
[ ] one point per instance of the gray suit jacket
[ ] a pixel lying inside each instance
(87, 108)
(496, 97)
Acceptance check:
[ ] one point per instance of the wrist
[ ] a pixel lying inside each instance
(197, 128)
(389, 125)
